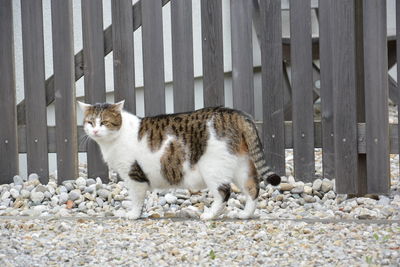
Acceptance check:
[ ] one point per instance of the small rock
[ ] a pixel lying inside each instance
(74, 194)
(162, 201)
(5, 195)
(103, 193)
(309, 199)
(286, 186)
(330, 195)
(18, 204)
(326, 185)
(80, 181)
(14, 193)
(126, 204)
(90, 181)
(37, 197)
(25, 193)
(98, 180)
(63, 198)
(33, 176)
(383, 200)
(70, 204)
(171, 199)
(120, 213)
(308, 190)
(30, 212)
(18, 180)
(297, 190)
(41, 188)
(90, 189)
(317, 184)
(99, 202)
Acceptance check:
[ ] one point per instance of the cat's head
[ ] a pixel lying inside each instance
(102, 121)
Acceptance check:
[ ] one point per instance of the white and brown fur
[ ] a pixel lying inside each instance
(208, 148)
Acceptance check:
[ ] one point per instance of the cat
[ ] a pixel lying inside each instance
(208, 148)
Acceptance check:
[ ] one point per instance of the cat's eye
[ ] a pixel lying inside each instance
(89, 122)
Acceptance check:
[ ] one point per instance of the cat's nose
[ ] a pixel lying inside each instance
(95, 131)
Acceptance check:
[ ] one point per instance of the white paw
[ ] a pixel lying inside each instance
(207, 215)
(133, 214)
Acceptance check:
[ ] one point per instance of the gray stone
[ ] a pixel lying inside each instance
(41, 188)
(5, 195)
(69, 187)
(80, 181)
(308, 190)
(326, 185)
(47, 195)
(33, 176)
(330, 195)
(162, 201)
(74, 194)
(297, 190)
(383, 200)
(63, 198)
(317, 184)
(309, 199)
(14, 193)
(90, 181)
(99, 201)
(171, 199)
(25, 193)
(18, 180)
(126, 204)
(103, 193)
(37, 197)
(91, 188)
(82, 206)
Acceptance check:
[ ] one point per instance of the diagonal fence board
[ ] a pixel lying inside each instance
(123, 53)
(64, 83)
(8, 135)
(272, 85)
(242, 56)
(302, 85)
(95, 88)
(153, 57)
(34, 88)
(212, 53)
(326, 94)
(182, 55)
(376, 96)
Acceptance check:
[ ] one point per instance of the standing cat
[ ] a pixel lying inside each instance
(210, 147)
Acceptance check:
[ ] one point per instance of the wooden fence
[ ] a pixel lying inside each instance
(352, 47)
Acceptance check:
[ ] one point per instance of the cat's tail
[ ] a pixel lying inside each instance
(256, 153)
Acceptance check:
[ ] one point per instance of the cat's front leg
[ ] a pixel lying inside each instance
(137, 193)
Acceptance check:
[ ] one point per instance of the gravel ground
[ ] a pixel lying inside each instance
(296, 224)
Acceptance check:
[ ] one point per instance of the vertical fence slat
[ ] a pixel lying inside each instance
(302, 85)
(272, 85)
(182, 55)
(325, 37)
(242, 56)
(123, 57)
(398, 60)
(94, 71)
(344, 93)
(376, 96)
(64, 85)
(153, 57)
(212, 49)
(8, 135)
(34, 84)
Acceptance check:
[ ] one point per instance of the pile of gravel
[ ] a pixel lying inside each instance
(91, 197)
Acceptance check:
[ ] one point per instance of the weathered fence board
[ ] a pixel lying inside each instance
(93, 53)
(34, 77)
(8, 135)
(326, 94)
(212, 53)
(302, 85)
(153, 57)
(64, 84)
(123, 55)
(376, 95)
(398, 59)
(242, 56)
(272, 85)
(182, 55)
(344, 94)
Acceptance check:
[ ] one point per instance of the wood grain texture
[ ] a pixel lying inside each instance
(344, 93)
(108, 47)
(302, 89)
(95, 88)
(34, 88)
(64, 83)
(123, 55)
(376, 96)
(398, 59)
(182, 55)
(326, 94)
(242, 56)
(213, 63)
(153, 57)
(272, 85)
(8, 135)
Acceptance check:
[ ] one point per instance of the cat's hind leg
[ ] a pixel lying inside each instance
(247, 180)
(221, 195)
(137, 193)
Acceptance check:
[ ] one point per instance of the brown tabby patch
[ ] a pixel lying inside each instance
(108, 114)
(172, 163)
(136, 173)
(252, 184)
(225, 191)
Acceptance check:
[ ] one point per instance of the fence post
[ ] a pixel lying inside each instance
(8, 118)
(34, 85)
(376, 96)
(94, 71)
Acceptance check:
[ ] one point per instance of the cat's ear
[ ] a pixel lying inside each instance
(83, 106)
(119, 106)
